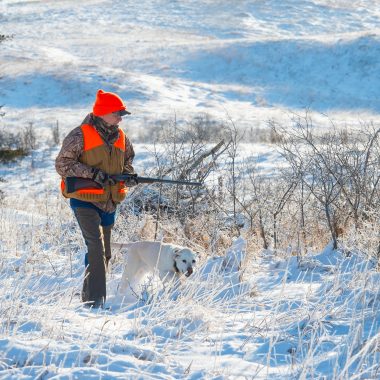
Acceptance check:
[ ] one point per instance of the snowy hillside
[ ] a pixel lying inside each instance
(253, 60)
(270, 298)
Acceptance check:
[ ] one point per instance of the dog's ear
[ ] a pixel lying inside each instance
(177, 251)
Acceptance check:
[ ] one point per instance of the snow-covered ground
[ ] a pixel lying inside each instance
(280, 318)
(314, 317)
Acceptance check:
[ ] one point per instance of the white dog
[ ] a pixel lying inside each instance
(169, 260)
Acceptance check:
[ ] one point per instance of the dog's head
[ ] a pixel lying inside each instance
(184, 259)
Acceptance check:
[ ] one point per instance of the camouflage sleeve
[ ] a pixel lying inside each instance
(67, 162)
(128, 157)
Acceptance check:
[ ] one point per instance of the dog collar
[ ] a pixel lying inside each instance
(175, 267)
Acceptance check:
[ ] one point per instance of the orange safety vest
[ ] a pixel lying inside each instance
(97, 154)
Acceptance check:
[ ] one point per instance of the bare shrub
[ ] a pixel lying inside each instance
(328, 189)
(4, 37)
(202, 128)
(339, 169)
(364, 239)
(178, 210)
(56, 136)
(11, 146)
(205, 129)
(29, 138)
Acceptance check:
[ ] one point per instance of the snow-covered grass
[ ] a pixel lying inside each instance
(271, 316)
(315, 317)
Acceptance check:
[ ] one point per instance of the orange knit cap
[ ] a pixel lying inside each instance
(108, 102)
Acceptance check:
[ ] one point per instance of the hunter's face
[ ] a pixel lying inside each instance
(112, 118)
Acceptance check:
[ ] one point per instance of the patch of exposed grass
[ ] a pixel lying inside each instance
(8, 155)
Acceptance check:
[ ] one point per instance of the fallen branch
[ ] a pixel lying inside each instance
(199, 160)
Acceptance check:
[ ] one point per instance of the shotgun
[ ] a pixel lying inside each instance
(73, 184)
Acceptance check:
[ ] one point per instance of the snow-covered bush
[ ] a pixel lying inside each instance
(338, 169)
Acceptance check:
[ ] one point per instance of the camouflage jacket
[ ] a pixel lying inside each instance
(67, 162)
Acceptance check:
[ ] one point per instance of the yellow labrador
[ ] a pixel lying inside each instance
(169, 260)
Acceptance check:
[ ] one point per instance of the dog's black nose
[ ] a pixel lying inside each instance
(189, 271)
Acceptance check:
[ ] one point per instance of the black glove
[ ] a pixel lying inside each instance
(132, 180)
(102, 178)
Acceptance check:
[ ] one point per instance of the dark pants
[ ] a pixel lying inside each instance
(98, 241)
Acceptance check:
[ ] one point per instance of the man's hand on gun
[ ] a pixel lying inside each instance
(104, 179)
(132, 180)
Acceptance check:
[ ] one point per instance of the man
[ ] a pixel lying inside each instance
(96, 149)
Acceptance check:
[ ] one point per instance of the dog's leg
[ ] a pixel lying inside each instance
(132, 264)
(124, 281)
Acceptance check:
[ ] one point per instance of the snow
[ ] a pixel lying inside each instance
(254, 62)
(265, 326)
(237, 316)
